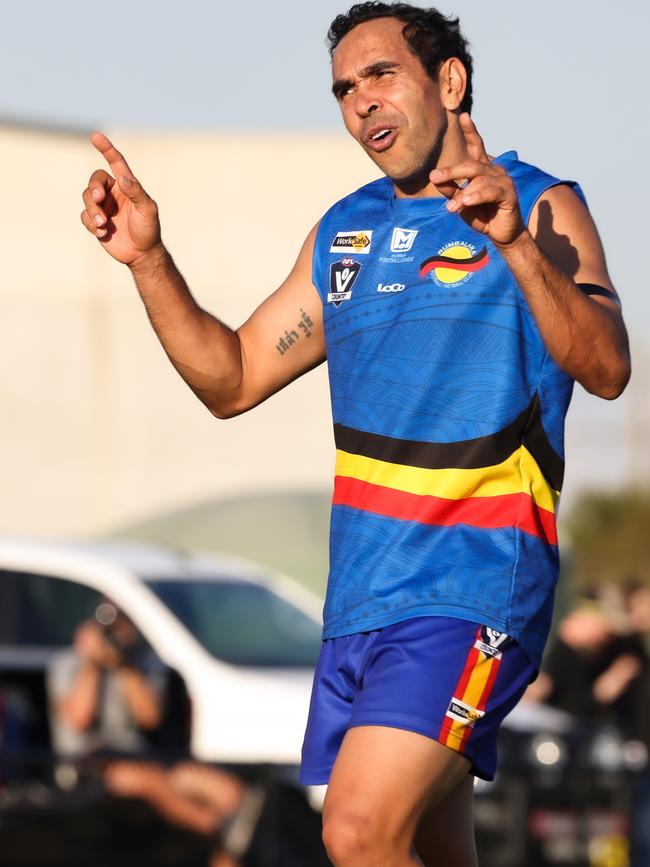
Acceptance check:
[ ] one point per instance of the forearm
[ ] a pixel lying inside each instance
(586, 339)
(204, 351)
(143, 703)
(79, 707)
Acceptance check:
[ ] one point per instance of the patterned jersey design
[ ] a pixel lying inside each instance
(448, 420)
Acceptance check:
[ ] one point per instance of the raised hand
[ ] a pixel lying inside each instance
(488, 202)
(118, 212)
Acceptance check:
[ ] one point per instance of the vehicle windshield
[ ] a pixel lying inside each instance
(242, 623)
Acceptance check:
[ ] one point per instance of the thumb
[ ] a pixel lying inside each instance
(448, 189)
(132, 189)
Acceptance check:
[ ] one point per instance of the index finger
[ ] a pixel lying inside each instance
(474, 142)
(111, 154)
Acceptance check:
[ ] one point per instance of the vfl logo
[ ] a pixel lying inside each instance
(491, 642)
(390, 287)
(352, 242)
(402, 240)
(455, 263)
(342, 277)
(463, 713)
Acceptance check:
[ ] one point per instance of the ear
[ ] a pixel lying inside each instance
(452, 79)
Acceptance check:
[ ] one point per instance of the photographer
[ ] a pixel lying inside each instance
(106, 691)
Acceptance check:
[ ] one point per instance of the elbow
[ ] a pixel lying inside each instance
(613, 381)
(80, 721)
(225, 411)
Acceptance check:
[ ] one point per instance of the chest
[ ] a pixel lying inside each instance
(382, 271)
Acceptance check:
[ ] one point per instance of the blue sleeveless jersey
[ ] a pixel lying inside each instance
(448, 418)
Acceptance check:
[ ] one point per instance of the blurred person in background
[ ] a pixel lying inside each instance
(636, 597)
(456, 300)
(589, 670)
(250, 825)
(106, 692)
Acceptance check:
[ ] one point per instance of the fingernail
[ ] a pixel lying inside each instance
(435, 175)
(99, 220)
(100, 233)
(452, 205)
(97, 193)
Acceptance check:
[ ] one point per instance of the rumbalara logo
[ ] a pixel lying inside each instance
(456, 262)
(352, 242)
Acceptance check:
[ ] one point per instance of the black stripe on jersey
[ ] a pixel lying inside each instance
(485, 451)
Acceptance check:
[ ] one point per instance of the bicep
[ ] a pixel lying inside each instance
(565, 231)
(284, 337)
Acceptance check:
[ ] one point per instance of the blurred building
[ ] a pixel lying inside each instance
(98, 429)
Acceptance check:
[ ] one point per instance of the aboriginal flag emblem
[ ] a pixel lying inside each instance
(454, 263)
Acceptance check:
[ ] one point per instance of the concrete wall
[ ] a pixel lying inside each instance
(98, 429)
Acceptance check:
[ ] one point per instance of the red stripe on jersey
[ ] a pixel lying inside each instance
(502, 510)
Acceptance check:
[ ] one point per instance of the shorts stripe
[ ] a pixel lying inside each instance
(474, 688)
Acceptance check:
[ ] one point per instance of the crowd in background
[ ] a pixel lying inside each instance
(111, 709)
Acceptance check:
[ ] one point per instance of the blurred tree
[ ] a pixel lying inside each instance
(285, 530)
(609, 533)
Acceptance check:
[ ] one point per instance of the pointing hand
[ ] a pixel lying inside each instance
(117, 210)
(488, 202)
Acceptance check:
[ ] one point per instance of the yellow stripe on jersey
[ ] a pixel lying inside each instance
(519, 473)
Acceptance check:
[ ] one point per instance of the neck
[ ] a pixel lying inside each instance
(450, 150)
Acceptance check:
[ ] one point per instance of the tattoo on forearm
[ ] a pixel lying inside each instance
(291, 336)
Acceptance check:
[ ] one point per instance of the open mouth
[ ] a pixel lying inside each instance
(380, 138)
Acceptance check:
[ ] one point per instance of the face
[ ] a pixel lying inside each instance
(390, 105)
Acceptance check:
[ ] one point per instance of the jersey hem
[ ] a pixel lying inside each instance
(473, 616)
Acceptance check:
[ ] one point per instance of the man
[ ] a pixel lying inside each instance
(105, 694)
(446, 299)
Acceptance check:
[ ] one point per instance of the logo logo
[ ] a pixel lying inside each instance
(390, 287)
(464, 713)
(491, 641)
(455, 263)
(342, 277)
(402, 240)
(352, 242)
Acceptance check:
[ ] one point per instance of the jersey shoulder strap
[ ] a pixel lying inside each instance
(349, 214)
(531, 182)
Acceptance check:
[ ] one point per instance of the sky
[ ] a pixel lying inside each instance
(563, 81)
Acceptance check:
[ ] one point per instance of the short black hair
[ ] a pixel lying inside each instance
(431, 36)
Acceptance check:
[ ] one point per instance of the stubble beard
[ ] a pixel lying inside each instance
(413, 176)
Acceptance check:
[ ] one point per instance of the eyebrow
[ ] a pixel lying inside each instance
(341, 85)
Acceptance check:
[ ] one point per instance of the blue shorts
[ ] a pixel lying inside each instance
(449, 679)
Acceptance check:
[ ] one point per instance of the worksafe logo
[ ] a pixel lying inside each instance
(352, 242)
(464, 713)
(454, 263)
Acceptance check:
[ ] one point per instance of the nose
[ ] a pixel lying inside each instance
(366, 102)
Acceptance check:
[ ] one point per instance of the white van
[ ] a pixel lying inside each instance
(243, 639)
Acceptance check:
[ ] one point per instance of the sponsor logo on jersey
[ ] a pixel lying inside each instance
(464, 713)
(491, 642)
(342, 277)
(402, 240)
(390, 287)
(352, 242)
(456, 262)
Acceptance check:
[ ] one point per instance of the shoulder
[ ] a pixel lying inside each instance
(372, 194)
(62, 668)
(533, 183)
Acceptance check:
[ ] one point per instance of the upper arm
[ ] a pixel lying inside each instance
(565, 231)
(284, 337)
